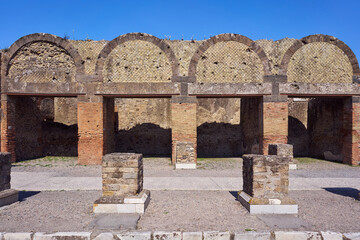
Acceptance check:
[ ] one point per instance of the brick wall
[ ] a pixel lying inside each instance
(275, 123)
(351, 131)
(183, 119)
(95, 129)
(8, 125)
(91, 137)
(251, 124)
(326, 128)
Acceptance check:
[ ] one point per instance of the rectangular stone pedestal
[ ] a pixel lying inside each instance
(266, 185)
(275, 206)
(185, 165)
(8, 197)
(118, 204)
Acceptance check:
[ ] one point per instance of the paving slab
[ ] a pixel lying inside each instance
(115, 221)
(284, 221)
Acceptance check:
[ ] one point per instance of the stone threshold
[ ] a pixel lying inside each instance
(177, 235)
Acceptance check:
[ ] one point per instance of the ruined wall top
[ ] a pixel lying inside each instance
(66, 66)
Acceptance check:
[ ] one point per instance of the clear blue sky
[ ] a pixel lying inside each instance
(256, 19)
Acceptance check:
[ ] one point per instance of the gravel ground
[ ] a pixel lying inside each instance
(178, 210)
(334, 209)
(50, 211)
(197, 210)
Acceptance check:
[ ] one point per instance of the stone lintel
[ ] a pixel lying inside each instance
(275, 98)
(319, 89)
(183, 99)
(138, 89)
(230, 89)
(30, 88)
(90, 98)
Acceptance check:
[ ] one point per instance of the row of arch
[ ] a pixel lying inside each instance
(174, 63)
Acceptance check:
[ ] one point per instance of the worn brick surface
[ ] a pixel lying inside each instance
(275, 124)
(351, 132)
(183, 119)
(8, 126)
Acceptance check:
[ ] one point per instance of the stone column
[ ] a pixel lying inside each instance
(266, 185)
(95, 128)
(351, 131)
(7, 195)
(122, 181)
(8, 141)
(274, 121)
(183, 132)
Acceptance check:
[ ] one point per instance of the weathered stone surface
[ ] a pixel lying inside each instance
(192, 235)
(5, 171)
(122, 174)
(104, 236)
(134, 235)
(62, 235)
(230, 89)
(159, 235)
(18, 236)
(217, 235)
(266, 178)
(281, 150)
(252, 236)
(297, 235)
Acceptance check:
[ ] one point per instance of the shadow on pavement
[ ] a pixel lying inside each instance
(346, 192)
(23, 195)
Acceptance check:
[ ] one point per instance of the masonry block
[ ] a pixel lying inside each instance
(122, 174)
(183, 132)
(122, 181)
(8, 137)
(96, 130)
(7, 195)
(351, 132)
(274, 123)
(266, 184)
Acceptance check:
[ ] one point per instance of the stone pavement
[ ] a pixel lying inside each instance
(53, 181)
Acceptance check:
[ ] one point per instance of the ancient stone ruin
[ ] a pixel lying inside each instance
(122, 181)
(266, 182)
(7, 195)
(222, 97)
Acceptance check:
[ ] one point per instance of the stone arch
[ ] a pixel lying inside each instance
(47, 38)
(319, 38)
(227, 37)
(110, 46)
